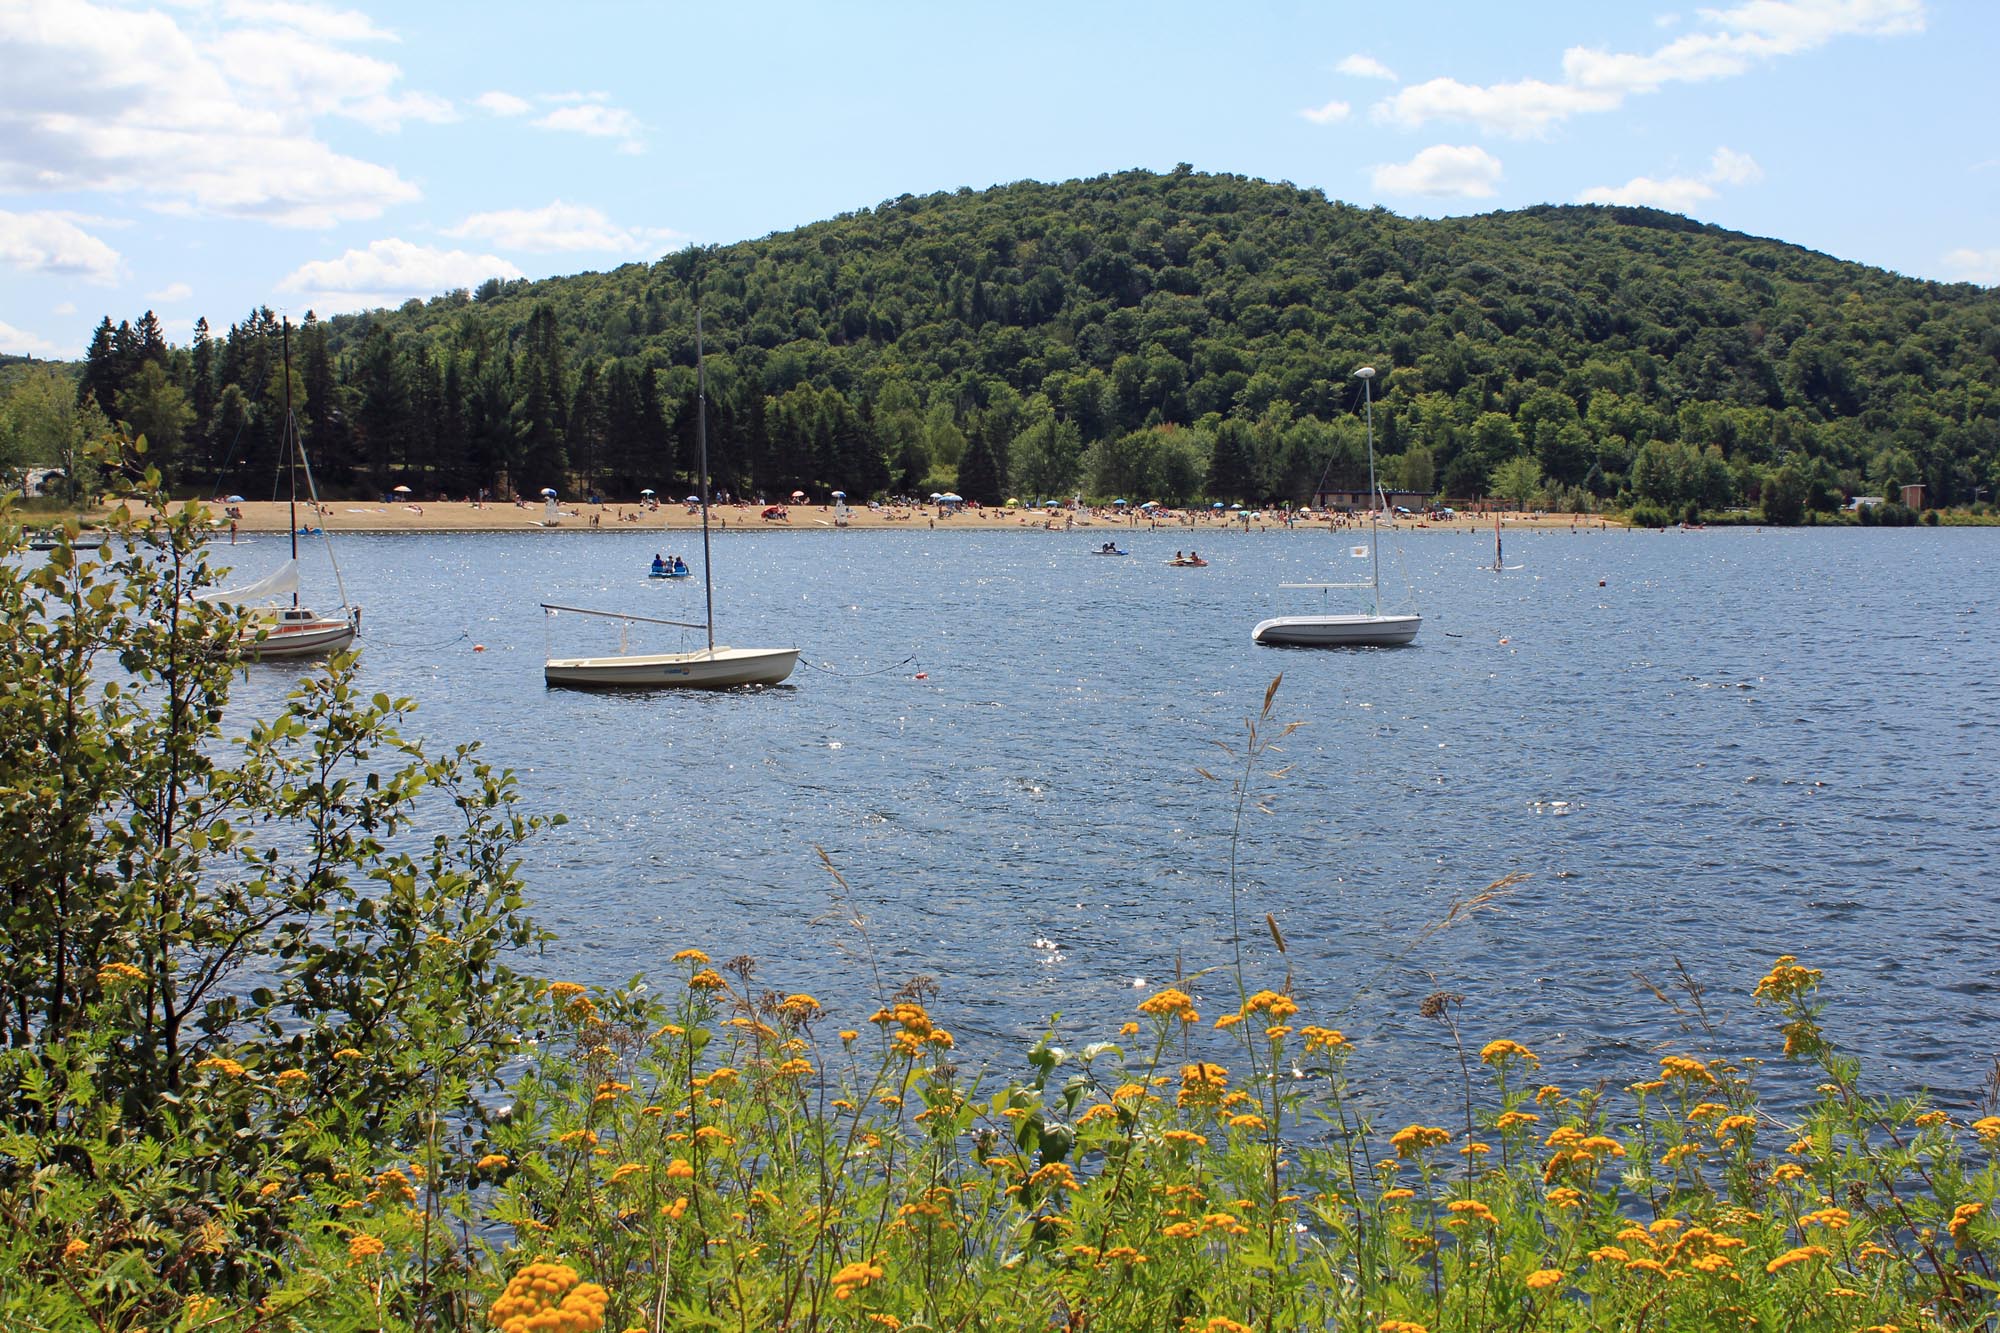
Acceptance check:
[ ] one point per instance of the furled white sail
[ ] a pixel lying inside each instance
(267, 591)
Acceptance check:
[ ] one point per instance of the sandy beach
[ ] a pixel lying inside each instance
(461, 516)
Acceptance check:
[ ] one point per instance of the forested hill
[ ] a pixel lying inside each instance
(1175, 336)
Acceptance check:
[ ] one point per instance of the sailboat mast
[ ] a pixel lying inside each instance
(1367, 377)
(701, 436)
(291, 446)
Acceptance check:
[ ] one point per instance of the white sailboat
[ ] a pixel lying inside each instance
(279, 628)
(1359, 629)
(715, 667)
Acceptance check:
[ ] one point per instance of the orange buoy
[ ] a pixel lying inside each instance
(478, 647)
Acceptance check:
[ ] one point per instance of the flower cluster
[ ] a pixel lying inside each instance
(549, 1298)
(1170, 1003)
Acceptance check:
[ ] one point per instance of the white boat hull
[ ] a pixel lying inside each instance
(293, 635)
(1345, 631)
(706, 669)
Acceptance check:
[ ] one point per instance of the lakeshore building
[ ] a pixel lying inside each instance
(1359, 499)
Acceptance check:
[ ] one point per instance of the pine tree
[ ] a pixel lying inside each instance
(202, 387)
(981, 470)
(541, 408)
(149, 343)
(99, 383)
(585, 430)
(1232, 468)
(382, 415)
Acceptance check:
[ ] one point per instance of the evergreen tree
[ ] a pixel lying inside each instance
(586, 429)
(322, 417)
(148, 342)
(984, 465)
(384, 412)
(1232, 468)
(541, 406)
(99, 383)
(202, 391)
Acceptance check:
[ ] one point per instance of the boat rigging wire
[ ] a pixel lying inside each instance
(857, 675)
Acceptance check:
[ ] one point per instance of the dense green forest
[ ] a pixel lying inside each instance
(1180, 336)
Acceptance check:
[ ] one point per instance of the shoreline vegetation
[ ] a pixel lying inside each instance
(273, 1066)
(1140, 334)
(462, 516)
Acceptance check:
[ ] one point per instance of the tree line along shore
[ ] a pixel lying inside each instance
(1177, 336)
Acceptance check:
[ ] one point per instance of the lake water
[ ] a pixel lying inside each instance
(1711, 747)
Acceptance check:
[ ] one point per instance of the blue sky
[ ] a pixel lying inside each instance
(203, 157)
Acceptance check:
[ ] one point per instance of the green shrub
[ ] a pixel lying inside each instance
(188, 1146)
(1648, 516)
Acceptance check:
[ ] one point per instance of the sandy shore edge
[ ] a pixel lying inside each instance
(458, 516)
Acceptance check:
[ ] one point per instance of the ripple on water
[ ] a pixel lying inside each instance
(1718, 756)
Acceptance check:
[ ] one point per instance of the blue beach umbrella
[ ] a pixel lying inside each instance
(1217, 505)
(1052, 504)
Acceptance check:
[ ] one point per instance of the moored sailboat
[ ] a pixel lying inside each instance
(275, 629)
(715, 667)
(1356, 629)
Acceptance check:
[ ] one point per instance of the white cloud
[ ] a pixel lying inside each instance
(1676, 194)
(1522, 109)
(328, 25)
(64, 308)
(1594, 80)
(389, 272)
(53, 243)
(171, 294)
(1680, 194)
(309, 78)
(562, 227)
(1365, 67)
(1980, 266)
(1444, 169)
(210, 112)
(1729, 167)
(596, 120)
(502, 104)
(18, 342)
(1328, 114)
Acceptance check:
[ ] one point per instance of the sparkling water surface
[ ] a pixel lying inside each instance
(1705, 748)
